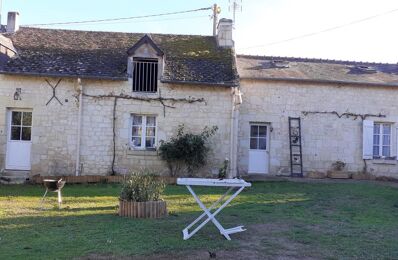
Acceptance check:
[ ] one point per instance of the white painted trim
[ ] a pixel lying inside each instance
(8, 124)
(381, 138)
(143, 136)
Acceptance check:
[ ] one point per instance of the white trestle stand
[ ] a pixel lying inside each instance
(237, 184)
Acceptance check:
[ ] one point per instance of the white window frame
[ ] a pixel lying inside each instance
(143, 132)
(382, 125)
(258, 137)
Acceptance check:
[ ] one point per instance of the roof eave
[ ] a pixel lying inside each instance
(64, 76)
(325, 81)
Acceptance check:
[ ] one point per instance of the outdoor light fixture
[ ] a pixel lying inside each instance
(17, 94)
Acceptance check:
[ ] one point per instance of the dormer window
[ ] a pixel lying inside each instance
(145, 62)
(145, 75)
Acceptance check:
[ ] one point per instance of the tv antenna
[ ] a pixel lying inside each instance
(234, 6)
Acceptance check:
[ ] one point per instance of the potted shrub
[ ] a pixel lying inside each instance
(140, 196)
(338, 172)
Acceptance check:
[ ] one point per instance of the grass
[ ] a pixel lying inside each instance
(284, 219)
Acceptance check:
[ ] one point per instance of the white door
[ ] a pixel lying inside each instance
(19, 140)
(259, 149)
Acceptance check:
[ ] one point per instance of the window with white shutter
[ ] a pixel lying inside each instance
(367, 137)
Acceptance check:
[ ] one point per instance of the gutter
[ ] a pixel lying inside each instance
(236, 101)
(79, 127)
(325, 81)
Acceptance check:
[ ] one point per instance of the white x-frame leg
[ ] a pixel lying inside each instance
(212, 216)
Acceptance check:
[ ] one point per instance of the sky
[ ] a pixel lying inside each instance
(261, 27)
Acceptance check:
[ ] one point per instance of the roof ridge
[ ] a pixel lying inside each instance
(315, 60)
(92, 31)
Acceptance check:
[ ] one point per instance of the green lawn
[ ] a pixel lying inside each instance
(284, 219)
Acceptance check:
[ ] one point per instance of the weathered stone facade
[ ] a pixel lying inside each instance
(54, 130)
(325, 137)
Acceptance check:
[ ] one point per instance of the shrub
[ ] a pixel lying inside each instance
(338, 165)
(142, 186)
(186, 150)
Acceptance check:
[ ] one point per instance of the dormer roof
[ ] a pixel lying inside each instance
(146, 39)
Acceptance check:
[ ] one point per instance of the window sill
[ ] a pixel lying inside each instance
(139, 152)
(144, 94)
(384, 161)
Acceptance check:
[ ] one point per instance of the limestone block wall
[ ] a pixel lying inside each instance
(54, 126)
(54, 131)
(326, 138)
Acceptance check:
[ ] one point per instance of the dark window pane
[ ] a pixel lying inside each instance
(27, 119)
(137, 131)
(386, 151)
(386, 129)
(253, 143)
(376, 150)
(15, 133)
(136, 141)
(386, 140)
(150, 142)
(26, 133)
(376, 139)
(16, 118)
(150, 121)
(150, 131)
(262, 131)
(253, 131)
(137, 120)
(262, 143)
(145, 75)
(376, 128)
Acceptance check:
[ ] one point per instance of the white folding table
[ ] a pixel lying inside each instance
(237, 184)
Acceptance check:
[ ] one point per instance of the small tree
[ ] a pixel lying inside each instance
(186, 150)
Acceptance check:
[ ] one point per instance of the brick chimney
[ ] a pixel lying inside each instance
(224, 33)
(12, 22)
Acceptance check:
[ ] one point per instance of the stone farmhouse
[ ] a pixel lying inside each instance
(96, 103)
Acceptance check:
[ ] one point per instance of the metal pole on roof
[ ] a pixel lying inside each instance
(214, 19)
(216, 12)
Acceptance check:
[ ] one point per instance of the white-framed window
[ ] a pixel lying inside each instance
(258, 137)
(145, 75)
(143, 131)
(382, 140)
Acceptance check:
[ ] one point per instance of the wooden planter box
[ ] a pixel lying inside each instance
(339, 175)
(148, 209)
(316, 175)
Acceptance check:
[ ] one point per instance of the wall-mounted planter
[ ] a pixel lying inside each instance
(148, 209)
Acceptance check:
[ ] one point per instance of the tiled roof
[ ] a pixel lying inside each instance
(53, 52)
(303, 69)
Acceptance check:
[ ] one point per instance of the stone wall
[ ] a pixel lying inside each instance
(326, 138)
(54, 132)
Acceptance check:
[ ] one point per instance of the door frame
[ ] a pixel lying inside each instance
(9, 111)
(267, 151)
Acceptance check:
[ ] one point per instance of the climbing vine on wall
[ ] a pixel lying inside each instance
(345, 114)
(166, 102)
